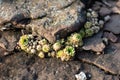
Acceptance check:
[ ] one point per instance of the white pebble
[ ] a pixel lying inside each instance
(81, 76)
(107, 18)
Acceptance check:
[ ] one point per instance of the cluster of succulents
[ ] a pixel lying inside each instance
(33, 45)
(42, 48)
(63, 49)
(93, 24)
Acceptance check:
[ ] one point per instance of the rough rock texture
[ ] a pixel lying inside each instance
(109, 62)
(113, 25)
(22, 67)
(107, 7)
(94, 43)
(65, 16)
(110, 36)
(9, 39)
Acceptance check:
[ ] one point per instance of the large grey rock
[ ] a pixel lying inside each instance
(65, 16)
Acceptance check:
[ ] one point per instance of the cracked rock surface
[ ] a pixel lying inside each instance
(53, 19)
(65, 16)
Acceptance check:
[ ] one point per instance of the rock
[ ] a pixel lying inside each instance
(97, 6)
(110, 36)
(107, 62)
(116, 10)
(105, 11)
(113, 25)
(81, 76)
(118, 3)
(107, 18)
(9, 40)
(94, 43)
(44, 15)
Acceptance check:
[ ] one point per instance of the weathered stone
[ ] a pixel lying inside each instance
(105, 11)
(9, 40)
(116, 10)
(118, 3)
(107, 62)
(94, 43)
(65, 16)
(114, 24)
(110, 36)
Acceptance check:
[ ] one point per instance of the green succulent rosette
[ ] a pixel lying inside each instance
(89, 32)
(66, 54)
(75, 40)
(23, 42)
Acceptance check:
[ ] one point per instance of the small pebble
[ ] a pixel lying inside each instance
(81, 76)
(6, 53)
(107, 18)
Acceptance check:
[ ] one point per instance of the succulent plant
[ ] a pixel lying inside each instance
(33, 51)
(69, 50)
(23, 42)
(82, 32)
(38, 47)
(66, 54)
(53, 54)
(43, 42)
(89, 32)
(46, 48)
(41, 54)
(57, 46)
(88, 25)
(59, 53)
(75, 39)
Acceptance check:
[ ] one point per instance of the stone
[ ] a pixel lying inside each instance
(9, 40)
(110, 36)
(109, 62)
(113, 25)
(105, 11)
(94, 43)
(116, 10)
(118, 3)
(107, 18)
(42, 16)
(81, 76)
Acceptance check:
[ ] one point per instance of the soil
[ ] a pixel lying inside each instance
(17, 65)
